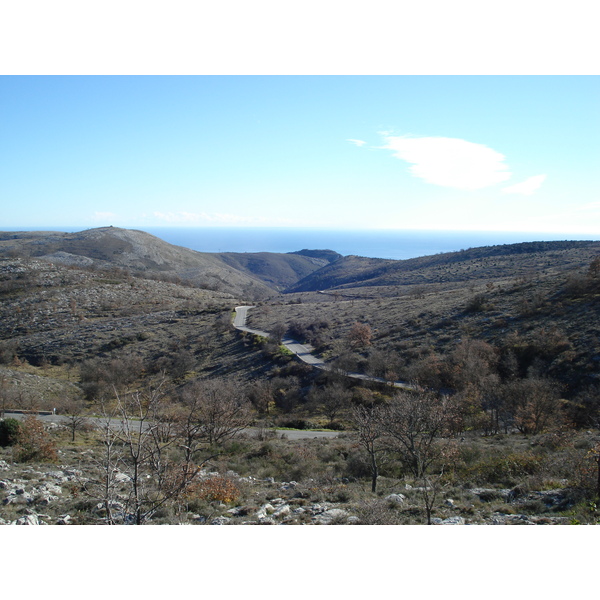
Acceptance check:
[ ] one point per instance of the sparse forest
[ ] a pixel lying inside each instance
(127, 396)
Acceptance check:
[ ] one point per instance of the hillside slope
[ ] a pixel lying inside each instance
(253, 276)
(475, 264)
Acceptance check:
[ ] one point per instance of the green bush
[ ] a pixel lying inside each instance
(507, 469)
(10, 431)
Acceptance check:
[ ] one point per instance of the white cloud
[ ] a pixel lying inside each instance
(526, 187)
(450, 162)
(357, 142)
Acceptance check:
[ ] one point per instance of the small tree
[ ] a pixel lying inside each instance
(75, 413)
(332, 398)
(414, 421)
(139, 446)
(34, 442)
(369, 421)
(278, 331)
(220, 408)
(359, 336)
(417, 425)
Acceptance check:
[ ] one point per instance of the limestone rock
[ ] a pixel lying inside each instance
(396, 498)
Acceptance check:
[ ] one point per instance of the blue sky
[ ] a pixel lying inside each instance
(504, 153)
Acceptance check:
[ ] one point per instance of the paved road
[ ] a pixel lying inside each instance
(304, 351)
(290, 434)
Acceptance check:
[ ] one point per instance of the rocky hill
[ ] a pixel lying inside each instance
(252, 276)
(475, 264)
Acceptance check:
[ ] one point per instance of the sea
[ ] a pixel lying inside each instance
(375, 243)
(394, 244)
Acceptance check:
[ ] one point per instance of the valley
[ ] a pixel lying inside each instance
(500, 344)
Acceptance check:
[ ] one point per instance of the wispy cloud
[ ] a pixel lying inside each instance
(357, 142)
(450, 162)
(527, 187)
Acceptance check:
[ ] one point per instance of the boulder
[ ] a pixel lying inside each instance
(282, 511)
(396, 498)
(327, 517)
(27, 520)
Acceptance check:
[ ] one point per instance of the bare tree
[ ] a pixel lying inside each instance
(414, 421)
(369, 421)
(152, 462)
(278, 331)
(219, 407)
(75, 412)
(534, 403)
(332, 398)
(417, 425)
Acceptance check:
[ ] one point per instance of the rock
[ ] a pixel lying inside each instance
(46, 499)
(282, 511)
(453, 521)
(198, 518)
(449, 502)
(19, 496)
(63, 520)
(489, 495)
(265, 510)
(237, 511)
(220, 521)
(396, 498)
(27, 520)
(290, 485)
(327, 517)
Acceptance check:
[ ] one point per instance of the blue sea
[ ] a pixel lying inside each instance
(395, 244)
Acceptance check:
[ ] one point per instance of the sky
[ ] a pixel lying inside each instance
(498, 153)
(422, 152)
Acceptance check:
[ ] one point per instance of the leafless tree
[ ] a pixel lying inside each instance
(414, 423)
(332, 398)
(278, 331)
(76, 414)
(153, 463)
(219, 407)
(369, 421)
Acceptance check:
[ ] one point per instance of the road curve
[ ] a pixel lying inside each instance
(304, 351)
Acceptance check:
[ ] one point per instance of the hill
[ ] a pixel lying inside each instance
(475, 264)
(252, 276)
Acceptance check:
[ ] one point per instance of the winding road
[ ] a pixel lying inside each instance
(305, 352)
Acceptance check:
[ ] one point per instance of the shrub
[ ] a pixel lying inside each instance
(506, 469)
(215, 489)
(34, 443)
(10, 430)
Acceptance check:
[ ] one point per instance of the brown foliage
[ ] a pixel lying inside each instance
(34, 443)
(214, 489)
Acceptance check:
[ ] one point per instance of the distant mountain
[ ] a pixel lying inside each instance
(488, 262)
(251, 275)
